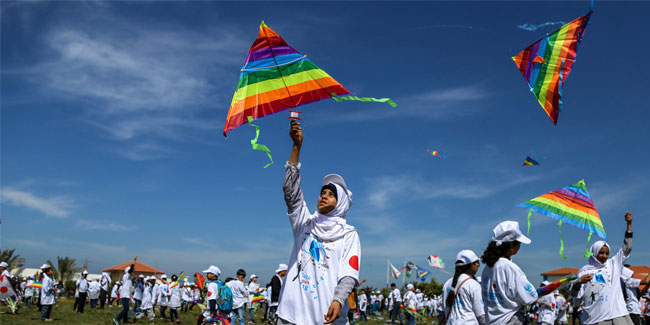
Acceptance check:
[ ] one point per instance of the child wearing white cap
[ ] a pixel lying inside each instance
(411, 304)
(598, 288)
(147, 299)
(324, 263)
(47, 292)
(253, 289)
(114, 291)
(461, 294)
(212, 275)
(504, 286)
(125, 293)
(82, 286)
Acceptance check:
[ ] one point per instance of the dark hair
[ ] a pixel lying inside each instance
(393, 285)
(460, 269)
(228, 279)
(493, 252)
(174, 277)
(241, 272)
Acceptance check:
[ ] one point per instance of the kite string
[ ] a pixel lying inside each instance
(257, 146)
(559, 228)
(588, 253)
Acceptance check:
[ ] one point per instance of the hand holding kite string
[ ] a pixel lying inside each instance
(295, 132)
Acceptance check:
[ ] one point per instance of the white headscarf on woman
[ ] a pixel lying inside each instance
(333, 225)
(594, 264)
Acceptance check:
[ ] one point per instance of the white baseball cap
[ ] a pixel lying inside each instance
(141, 276)
(281, 267)
(213, 269)
(409, 286)
(508, 231)
(466, 256)
(164, 276)
(4, 264)
(253, 276)
(545, 283)
(84, 272)
(45, 266)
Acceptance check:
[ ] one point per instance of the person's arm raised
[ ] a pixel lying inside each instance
(296, 135)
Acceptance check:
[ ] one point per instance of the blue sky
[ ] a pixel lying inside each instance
(112, 115)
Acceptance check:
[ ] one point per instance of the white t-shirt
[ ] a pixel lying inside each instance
(411, 300)
(82, 284)
(163, 294)
(632, 303)
(114, 291)
(315, 269)
(363, 302)
(505, 290)
(239, 293)
(175, 297)
(104, 283)
(395, 297)
(125, 290)
(561, 306)
(602, 297)
(253, 288)
(147, 298)
(47, 293)
(213, 290)
(380, 298)
(137, 293)
(468, 306)
(547, 310)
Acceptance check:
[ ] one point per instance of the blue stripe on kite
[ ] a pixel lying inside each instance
(283, 59)
(563, 219)
(579, 190)
(537, 66)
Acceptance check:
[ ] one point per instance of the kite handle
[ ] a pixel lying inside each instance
(294, 115)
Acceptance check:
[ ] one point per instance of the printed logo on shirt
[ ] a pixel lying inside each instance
(354, 262)
(529, 288)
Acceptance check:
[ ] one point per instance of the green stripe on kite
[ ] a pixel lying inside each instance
(256, 146)
(262, 75)
(365, 99)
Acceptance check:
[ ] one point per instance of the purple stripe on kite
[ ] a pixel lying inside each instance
(536, 67)
(267, 52)
(531, 56)
(576, 195)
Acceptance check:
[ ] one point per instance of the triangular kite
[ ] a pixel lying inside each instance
(530, 162)
(541, 64)
(276, 77)
(571, 204)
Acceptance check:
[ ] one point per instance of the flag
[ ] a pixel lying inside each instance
(6, 289)
(394, 272)
(436, 262)
(422, 274)
(199, 280)
(410, 266)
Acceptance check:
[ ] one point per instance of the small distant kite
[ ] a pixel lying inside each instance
(436, 153)
(571, 204)
(530, 162)
(547, 63)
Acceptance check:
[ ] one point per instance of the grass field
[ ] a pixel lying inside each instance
(62, 313)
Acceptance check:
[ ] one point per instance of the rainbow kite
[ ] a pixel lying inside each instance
(258, 298)
(422, 274)
(530, 162)
(571, 204)
(543, 291)
(38, 285)
(276, 77)
(175, 283)
(547, 63)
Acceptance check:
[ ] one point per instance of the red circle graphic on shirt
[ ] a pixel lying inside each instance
(209, 293)
(354, 262)
(4, 289)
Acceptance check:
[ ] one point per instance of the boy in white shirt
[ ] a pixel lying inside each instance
(82, 286)
(363, 305)
(395, 304)
(546, 309)
(147, 299)
(324, 263)
(411, 303)
(212, 275)
(239, 297)
(125, 293)
(253, 289)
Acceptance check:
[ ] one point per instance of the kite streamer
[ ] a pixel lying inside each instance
(257, 146)
(365, 99)
(38, 285)
(571, 204)
(276, 77)
(532, 28)
(559, 229)
(547, 63)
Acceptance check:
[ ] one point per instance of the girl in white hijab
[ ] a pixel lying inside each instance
(324, 263)
(598, 288)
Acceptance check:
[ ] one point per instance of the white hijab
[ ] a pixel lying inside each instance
(333, 225)
(594, 264)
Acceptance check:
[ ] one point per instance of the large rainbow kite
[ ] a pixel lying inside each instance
(276, 77)
(547, 63)
(571, 204)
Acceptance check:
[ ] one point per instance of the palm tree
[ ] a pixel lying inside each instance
(14, 261)
(66, 268)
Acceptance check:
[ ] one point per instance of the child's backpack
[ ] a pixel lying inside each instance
(224, 300)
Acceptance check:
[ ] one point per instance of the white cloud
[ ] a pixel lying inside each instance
(96, 225)
(59, 207)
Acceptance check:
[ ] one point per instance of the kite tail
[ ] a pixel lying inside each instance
(588, 253)
(259, 147)
(364, 99)
(559, 228)
(530, 212)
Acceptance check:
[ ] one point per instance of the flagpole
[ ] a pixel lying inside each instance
(387, 272)
(404, 278)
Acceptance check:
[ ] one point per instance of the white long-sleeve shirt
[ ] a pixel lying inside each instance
(239, 293)
(127, 284)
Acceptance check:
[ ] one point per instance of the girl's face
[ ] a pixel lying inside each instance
(603, 254)
(211, 276)
(326, 201)
(474, 268)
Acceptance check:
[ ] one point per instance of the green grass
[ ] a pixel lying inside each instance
(62, 313)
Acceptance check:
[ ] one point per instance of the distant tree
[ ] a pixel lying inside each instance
(65, 268)
(14, 260)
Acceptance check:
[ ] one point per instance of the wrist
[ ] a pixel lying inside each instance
(335, 299)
